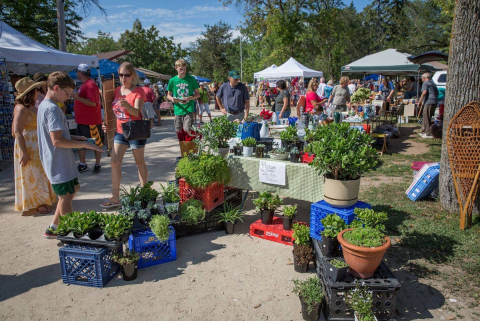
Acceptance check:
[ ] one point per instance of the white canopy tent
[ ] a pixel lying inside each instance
(292, 68)
(259, 74)
(27, 56)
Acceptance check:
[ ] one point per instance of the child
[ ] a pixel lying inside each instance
(55, 145)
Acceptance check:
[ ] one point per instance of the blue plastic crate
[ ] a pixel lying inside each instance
(87, 265)
(151, 250)
(425, 185)
(321, 209)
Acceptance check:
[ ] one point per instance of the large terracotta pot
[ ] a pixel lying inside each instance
(341, 194)
(363, 261)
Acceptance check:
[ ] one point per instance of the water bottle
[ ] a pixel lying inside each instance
(301, 124)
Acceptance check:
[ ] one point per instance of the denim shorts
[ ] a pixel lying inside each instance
(133, 144)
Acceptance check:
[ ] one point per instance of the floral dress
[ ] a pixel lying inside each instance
(32, 187)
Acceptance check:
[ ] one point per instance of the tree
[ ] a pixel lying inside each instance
(463, 83)
(150, 50)
(103, 43)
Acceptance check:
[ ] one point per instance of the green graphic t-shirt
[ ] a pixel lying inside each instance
(180, 88)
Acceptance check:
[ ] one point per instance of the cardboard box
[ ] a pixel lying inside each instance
(409, 110)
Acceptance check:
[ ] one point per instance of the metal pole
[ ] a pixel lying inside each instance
(418, 79)
(241, 60)
(62, 33)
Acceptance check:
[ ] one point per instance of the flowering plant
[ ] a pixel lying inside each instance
(265, 114)
(360, 299)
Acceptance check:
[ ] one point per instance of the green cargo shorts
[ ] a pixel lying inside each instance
(64, 188)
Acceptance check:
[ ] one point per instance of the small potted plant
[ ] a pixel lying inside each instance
(159, 226)
(336, 270)
(115, 227)
(192, 212)
(83, 223)
(230, 216)
(237, 149)
(360, 299)
(267, 203)
(144, 216)
(147, 194)
(289, 213)
(171, 199)
(66, 224)
(94, 219)
(260, 151)
(248, 144)
(302, 248)
(217, 133)
(290, 138)
(128, 264)
(332, 224)
(311, 297)
(294, 154)
(278, 153)
(129, 196)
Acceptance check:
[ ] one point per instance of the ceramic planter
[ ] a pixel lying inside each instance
(229, 227)
(341, 194)
(363, 261)
(294, 158)
(287, 223)
(336, 274)
(264, 131)
(330, 246)
(223, 151)
(129, 271)
(312, 316)
(267, 216)
(247, 151)
(237, 150)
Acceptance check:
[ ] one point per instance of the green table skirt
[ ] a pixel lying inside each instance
(302, 182)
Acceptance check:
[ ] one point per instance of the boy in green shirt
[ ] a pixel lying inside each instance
(182, 91)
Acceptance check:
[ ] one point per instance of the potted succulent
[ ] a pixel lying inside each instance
(311, 297)
(290, 138)
(294, 154)
(278, 153)
(248, 144)
(260, 151)
(364, 243)
(192, 212)
(129, 196)
(237, 149)
(217, 133)
(115, 227)
(128, 264)
(230, 216)
(267, 203)
(159, 226)
(332, 224)
(302, 247)
(360, 299)
(146, 194)
(289, 213)
(144, 216)
(342, 156)
(171, 199)
(336, 270)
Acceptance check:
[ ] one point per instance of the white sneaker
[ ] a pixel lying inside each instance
(426, 136)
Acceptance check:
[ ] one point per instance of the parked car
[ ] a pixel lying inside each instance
(440, 79)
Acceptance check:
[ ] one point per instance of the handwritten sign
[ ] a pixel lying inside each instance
(272, 172)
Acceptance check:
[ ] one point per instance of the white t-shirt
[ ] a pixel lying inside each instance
(320, 89)
(351, 88)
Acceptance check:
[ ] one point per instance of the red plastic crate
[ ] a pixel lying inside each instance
(307, 158)
(211, 196)
(273, 232)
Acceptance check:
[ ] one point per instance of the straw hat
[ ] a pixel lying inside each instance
(25, 85)
(39, 77)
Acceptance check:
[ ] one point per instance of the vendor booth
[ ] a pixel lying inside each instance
(259, 75)
(107, 69)
(291, 68)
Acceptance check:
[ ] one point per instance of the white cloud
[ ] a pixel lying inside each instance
(122, 6)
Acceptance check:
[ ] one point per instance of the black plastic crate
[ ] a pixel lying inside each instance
(233, 197)
(268, 142)
(210, 223)
(69, 239)
(383, 284)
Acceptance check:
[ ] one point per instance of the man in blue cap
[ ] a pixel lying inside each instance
(233, 98)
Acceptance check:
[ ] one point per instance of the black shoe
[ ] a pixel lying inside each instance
(82, 168)
(96, 169)
(50, 233)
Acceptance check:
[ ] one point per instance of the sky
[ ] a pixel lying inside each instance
(184, 20)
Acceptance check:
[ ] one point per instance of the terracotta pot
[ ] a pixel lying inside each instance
(341, 194)
(363, 261)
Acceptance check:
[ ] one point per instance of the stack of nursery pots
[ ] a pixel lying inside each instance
(267, 203)
(311, 297)
(342, 156)
(302, 248)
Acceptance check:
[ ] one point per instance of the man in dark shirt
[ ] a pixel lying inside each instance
(233, 98)
(429, 101)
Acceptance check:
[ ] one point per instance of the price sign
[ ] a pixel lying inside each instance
(272, 172)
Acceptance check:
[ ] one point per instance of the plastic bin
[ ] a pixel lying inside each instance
(426, 181)
(211, 196)
(151, 250)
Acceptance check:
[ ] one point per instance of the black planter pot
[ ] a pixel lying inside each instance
(302, 268)
(237, 150)
(330, 246)
(177, 180)
(294, 158)
(129, 271)
(334, 273)
(299, 145)
(287, 223)
(312, 316)
(145, 203)
(95, 233)
(267, 216)
(259, 152)
(287, 145)
(63, 233)
(78, 235)
(229, 227)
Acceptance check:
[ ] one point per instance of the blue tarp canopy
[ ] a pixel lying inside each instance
(201, 79)
(107, 68)
(371, 77)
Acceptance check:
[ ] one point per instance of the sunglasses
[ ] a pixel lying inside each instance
(65, 92)
(124, 75)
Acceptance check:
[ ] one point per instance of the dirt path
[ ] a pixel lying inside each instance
(215, 276)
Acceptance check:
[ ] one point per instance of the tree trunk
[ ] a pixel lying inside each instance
(62, 31)
(462, 84)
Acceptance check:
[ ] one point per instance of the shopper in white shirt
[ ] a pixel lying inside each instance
(321, 87)
(351, 87)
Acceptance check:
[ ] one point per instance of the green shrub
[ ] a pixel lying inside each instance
(191, 211)
(301, 234)
(342, 153)
(332, 224)
(365, 237)
(310, 291)
(201, 170)
(159, 225)
(290, 134)
(267, 201)
(147, 193)
(290, 211)
(218, 132)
